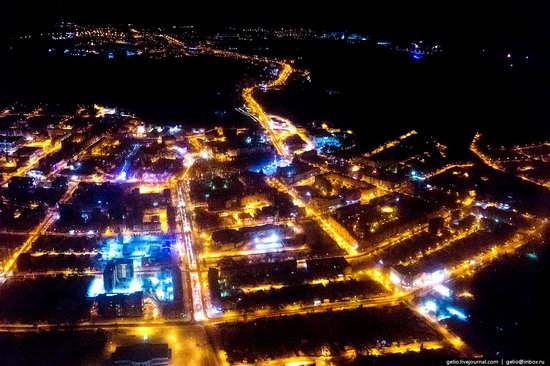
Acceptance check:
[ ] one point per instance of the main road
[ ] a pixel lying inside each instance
(187, 252)
(259, 113)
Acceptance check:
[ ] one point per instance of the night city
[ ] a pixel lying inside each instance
(274, 184)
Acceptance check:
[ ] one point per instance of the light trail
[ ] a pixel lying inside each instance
(33, 162)
(390, 144)
(498, 166)
(348, 244)
(290, 129)
(455, 341)
(27, 245)
(187, 253)
(35, 233)
(248, 252)
(523, 237)
(448, 167)
(258, 112)
(290, 310)
(485, 158)
(462, 235)
(63, 164)
(390, 242)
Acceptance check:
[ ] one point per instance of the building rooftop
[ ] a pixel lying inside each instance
(141, 352)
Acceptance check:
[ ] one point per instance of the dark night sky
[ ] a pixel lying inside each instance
(523, 20)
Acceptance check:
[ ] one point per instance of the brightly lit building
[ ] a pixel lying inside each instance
(137, 247)
(118, 274)
(401, 276)
(126, 257)
(121, 278)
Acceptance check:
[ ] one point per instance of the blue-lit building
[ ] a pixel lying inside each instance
(138, 247)
(118, 275)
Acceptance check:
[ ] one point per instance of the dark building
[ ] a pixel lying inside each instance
(228, 238)
(142, 354)
(436, 225)
(326, 266)
(215, 290)
(239, 271)
(21, 184)
(24, 262)
(295, 172)
(60, 183)
(120, 305)
(69, 213)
